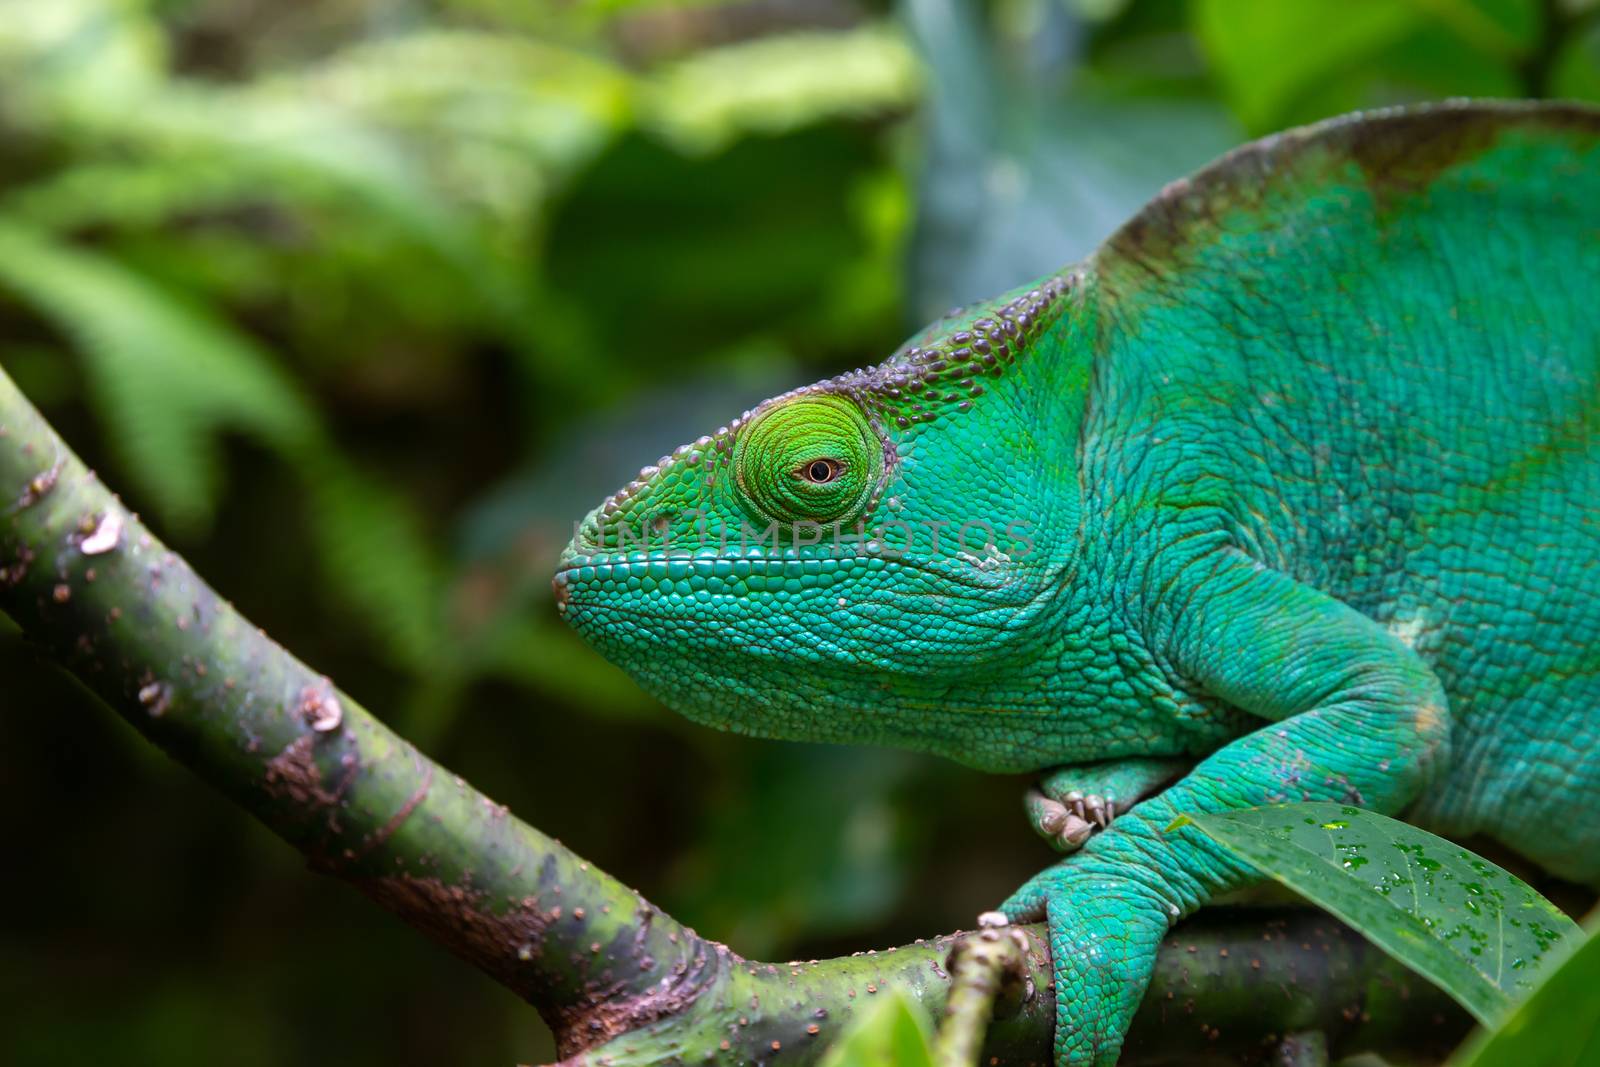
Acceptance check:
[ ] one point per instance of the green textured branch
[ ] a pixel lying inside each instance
(619, 981)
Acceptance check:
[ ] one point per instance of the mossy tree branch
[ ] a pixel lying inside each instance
(618, 980)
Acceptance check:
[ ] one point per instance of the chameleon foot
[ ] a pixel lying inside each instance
(1074, 803)
(1070, 821)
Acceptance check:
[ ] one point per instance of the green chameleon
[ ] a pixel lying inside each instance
(1290, 491)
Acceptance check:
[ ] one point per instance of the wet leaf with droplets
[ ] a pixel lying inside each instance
(1557, 1026)
(1472, 928)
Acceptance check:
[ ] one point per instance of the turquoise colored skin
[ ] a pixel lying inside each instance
(1307, 460)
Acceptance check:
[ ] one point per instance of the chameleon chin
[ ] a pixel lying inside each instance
(1310, 456)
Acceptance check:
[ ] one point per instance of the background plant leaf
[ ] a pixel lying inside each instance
(168, 376)
(889, 1034)
(374, 548)
(1267, 53)
(781, 83)
(1029, 166)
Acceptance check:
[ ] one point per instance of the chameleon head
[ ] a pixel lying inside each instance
(852, 561)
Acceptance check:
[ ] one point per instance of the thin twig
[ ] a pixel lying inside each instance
(982, 967)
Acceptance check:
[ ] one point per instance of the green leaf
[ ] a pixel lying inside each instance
(781, 83)
(94, 49)
(168, 377)
(169, 380)
(1266, 52)
(1575, 74)
(1558, 1026)
(1472, 928)
(467, 100)
(1025, 171)
(402, 152)
(375, 553)
(889, 1034)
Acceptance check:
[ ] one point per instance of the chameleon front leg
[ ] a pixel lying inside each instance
(1354, 716)
(1073, 802)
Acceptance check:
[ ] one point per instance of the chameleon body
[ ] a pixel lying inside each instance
(1294, 486)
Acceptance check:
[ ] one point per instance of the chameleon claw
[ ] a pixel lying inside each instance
(1048, 815)
(1099, 811)
(1073, 833)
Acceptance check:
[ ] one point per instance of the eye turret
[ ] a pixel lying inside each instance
(809, 458)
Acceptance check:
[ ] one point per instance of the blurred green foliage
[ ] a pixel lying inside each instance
(363, 302)
(890, 1033)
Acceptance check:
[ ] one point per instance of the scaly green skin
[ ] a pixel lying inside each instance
(1296, 478)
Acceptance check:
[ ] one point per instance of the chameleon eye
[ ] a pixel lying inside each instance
(809, 458)
(822, 471)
